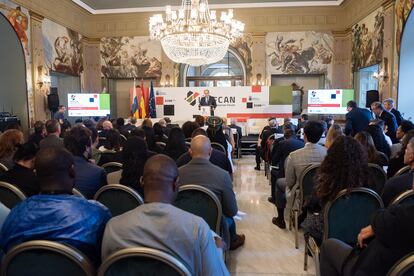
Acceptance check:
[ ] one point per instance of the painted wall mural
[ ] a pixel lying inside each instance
(244, 48)
(402, 9)
(63, 48)
(129, 57)
(299, 53)
(368, 41)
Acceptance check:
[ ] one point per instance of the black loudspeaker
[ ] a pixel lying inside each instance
(372, 96)
(53, 100)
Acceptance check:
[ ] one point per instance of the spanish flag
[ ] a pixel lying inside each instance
(142, 105)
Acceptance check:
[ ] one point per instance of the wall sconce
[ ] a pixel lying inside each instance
(259, 80)
(42, 78)
(383, 74)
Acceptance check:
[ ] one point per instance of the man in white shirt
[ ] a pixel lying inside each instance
(158, 224)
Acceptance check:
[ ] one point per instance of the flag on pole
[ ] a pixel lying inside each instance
(142, 108)
(134, 107)
(152, 107)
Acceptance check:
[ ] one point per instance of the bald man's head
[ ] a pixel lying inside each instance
(160, 179)
(200, 147)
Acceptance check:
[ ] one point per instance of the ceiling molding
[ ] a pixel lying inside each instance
(216, 6)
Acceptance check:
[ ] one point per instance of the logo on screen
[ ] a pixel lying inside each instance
(313, 93)
(192, 97)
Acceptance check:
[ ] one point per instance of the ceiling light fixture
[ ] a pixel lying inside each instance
(193, 34)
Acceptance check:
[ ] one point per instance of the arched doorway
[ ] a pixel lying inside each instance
(13, 88)
(406, 71)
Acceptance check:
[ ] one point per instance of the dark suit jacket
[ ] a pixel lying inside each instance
(391, 124)
(23, 178)
(397, 115)
(393, 228)
(357, 120)
(89, 178)
(396, 186)
(211, 101)
(239, 130)
(51, 141)
(282, 150)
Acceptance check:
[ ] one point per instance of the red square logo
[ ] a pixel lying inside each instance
(159, 100)
(256, 89)
(95, 96)
(244, 100)
(338, 92)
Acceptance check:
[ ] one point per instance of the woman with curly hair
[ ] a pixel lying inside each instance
(374, 156)
(9, 141)
(344, 167)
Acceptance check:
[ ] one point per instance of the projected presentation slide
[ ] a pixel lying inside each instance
(329, 101)
(88, 105)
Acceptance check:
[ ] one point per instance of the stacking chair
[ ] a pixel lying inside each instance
(404, 267)
(406, 198)
(306, 187)
(3, 168)
(118, 198)
(76, 192)
(123, 138)
(112, 167)
(45, 258)
(114, 177)
(384, 158)
(201, 202)
(142, 261)
(378, 176)
(403, 170)
(10, 195)
(344, 217)
(162, 145)
(219, 147)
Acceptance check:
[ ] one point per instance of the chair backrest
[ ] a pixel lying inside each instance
(201, 202)
(139, 261)
(348, 213)
(114, 177)
(383, 157)
(123, 138)
(10, 195)
(403, 170)
(404, 267)
(307, 183)
(218, 146)
(406, 198)
(118, 198)
(162, 145)
(45, 258)
(378, 177)
(112, 167)
(3, 168)
(76, 192)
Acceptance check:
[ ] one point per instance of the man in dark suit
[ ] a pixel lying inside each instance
(267, 131)
(208, 100)
(389, 106)
(53, 133)
(235, 126)
(388, 118)
(357, 119)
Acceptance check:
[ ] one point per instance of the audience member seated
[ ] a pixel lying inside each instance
(233, 124)
(56, 214)
(96, 153)
(22, 175)
(228, 133)
(380, 143)
(159, 134)
(106, 125)
(402, 129)
(269, 130)
(217, 157)
(344, 167)
(297, 162)
(89, 178)
(391, 235)
(322, 141)
(280, 152)
(357, 119)
(176, 144)
(381, 124)
(4, 212)
(397, 162)
(389, 106)
(111, 150)
(201, 121)
(188, 128)
(374, 156)
(334, 132)
(215, 132)
(135, 155)
(65, 128)
(166, 125)
(150, 136)
(39, 133)
(53, 135)
(200, 171)
(138, 132)
(399, 184)
(388, 118)
(304, 118)
(158, 224)
(121, 127)
(9, 141)
(129, 127)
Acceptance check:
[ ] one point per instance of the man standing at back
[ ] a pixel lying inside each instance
(388, 118)
(158, 224)
(200, 171)
(357, 119)
(53, 135)
(389, 106)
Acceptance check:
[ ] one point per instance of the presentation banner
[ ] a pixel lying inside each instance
(88, 105)
(244, 102)
(329, 101)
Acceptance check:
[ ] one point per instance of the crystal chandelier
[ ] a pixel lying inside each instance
(193, 34)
